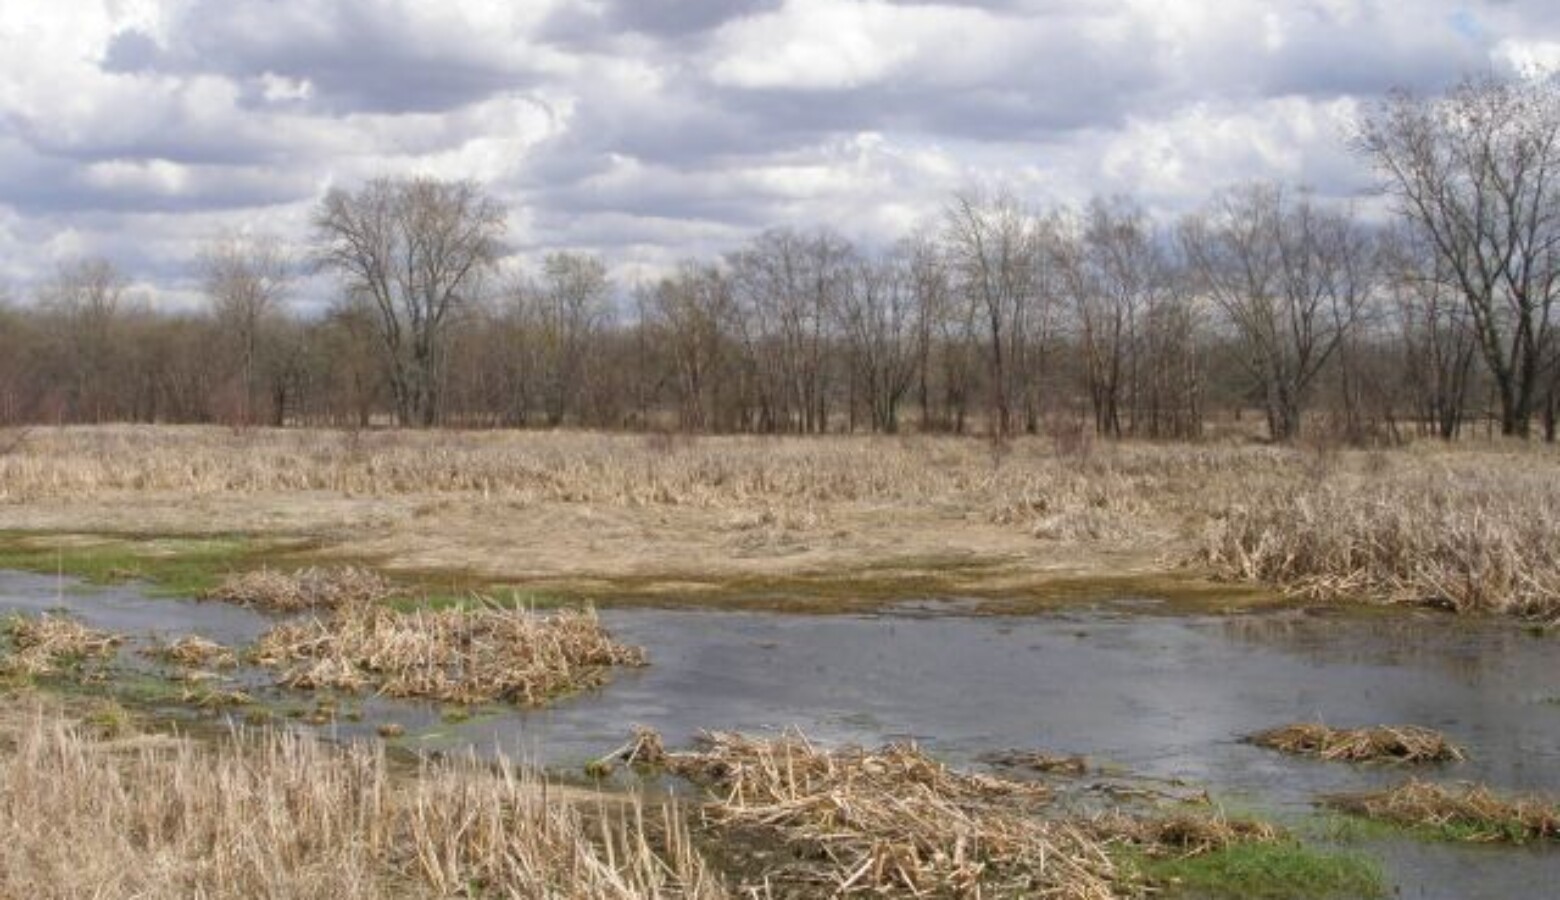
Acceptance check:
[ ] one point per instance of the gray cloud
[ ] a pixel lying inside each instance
(656, 129)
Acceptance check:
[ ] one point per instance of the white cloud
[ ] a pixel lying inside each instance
(653, 131)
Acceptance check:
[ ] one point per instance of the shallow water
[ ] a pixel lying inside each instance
(1166, 696)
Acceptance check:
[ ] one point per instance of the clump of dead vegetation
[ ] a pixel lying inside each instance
(305, 589)
(1466, 541)
(1038, 761)
(895, 822)
(489, 653)
(1466, 812)
(44, 644)
(1182, 834)
(1384, 743)
(280, 815)
(891, 820)
(194, 651)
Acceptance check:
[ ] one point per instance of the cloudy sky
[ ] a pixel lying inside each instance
(651, 130)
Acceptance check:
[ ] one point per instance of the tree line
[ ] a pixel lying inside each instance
(998, 317)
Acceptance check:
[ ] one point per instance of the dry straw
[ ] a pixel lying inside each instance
(1385, 743)
(1465, 812)
(457, 656)
(306, 589)
(282, 816)
(42, 645)
(895, 822)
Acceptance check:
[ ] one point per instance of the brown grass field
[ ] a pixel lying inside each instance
(830, 520)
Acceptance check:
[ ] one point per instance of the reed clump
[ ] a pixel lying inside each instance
(1468, 541)
(281, 815)
(1466, 812)
(890, 821)
(1182, 834)
(306, 589)
(1383, 743)
(44, 644)
(465, 656)
(194, 651)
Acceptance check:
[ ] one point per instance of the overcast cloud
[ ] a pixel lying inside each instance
(651, 130)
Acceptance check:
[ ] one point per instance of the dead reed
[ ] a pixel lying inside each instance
(489, 653)
(194, 651)
(43, 644)
(1471, 541)
(1464, 812)
(1181, 834)
(1384, 743)
(306, 589)
(281, 816)
(890, 821)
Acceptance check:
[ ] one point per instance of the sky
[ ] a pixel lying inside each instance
(651, 131)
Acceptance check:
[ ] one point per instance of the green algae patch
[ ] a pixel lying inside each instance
(1286, 870)
(174, 566)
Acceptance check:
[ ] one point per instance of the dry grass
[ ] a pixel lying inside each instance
(890, 821)
(457, 656)
(1463, 812)
(1385, 743)
(194, 651)
(1470, 540)
(1472, 527)
(44, 644)
(1184, 834)
(311, 588)
(281, 816)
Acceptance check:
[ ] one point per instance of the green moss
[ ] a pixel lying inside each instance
(1287, 870)
(174, 566)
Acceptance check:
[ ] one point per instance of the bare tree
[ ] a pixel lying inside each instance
(1435, 331)
(788, 284)
(571, 304)
(1477, 171)
(879, 314)
(415, 251)
(693, 311)
(246, 280)
(994, 248)
(1290, 278)
(87, 299)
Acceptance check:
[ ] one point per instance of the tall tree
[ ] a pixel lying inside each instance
(1290, 277)
(246, 279)
(1477, 171)
(415, 252)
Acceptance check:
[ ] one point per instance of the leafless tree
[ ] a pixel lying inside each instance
(1477, 171)
(994, 247)
(788, 284)
(1436, 334)
(246, 280)
(1290, 277)
(879, 313)
(693, 311)
(415, 251)
(570, 304)
(88, 298)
